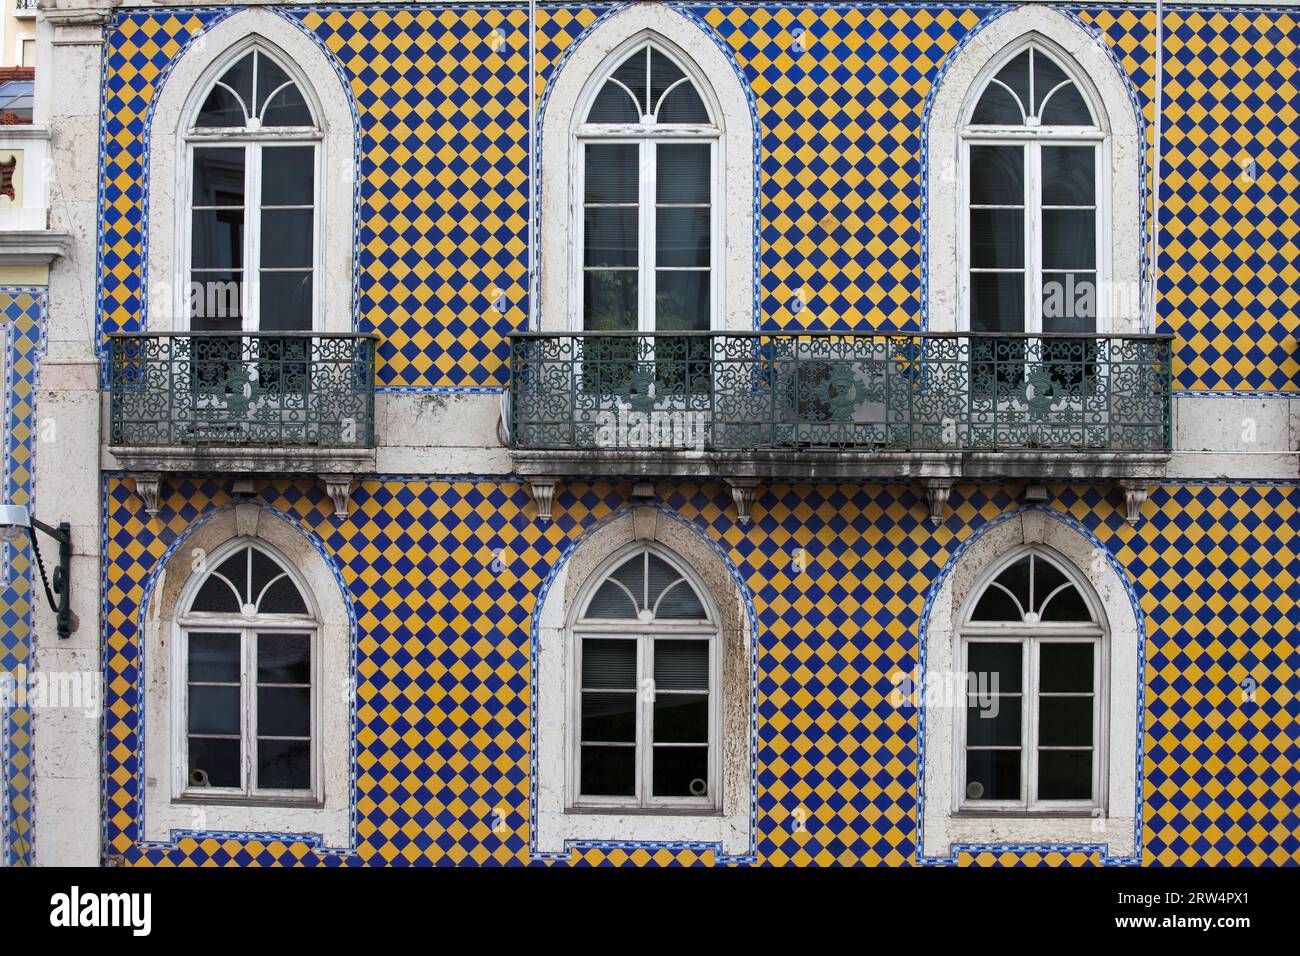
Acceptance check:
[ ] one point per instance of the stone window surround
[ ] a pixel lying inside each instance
(191, 76)
(559, 198)
(1102, 86)
(943, 829)
(558, 828)
(166, 812)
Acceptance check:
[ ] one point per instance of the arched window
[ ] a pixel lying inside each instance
(647, 161)
(646, 693)
(248, 655)
(254, 161)
(1032, 652)
(1035, 153)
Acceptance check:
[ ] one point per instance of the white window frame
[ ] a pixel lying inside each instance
(646, 633)
(1031, 637)
(247, 626)
(1032, 138)
(647, 135)
(253, 138)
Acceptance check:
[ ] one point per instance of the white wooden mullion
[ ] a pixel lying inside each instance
(248, 715)
(645, 723)
(252, 237)
(647, 195)
(1033, 239)
(1029, 713)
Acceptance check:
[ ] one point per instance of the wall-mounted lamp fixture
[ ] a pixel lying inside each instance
(15, 520)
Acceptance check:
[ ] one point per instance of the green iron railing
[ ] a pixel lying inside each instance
(260, 388)
(728, 391)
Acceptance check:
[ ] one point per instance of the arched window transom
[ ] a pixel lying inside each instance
(1032, 651)
(253, 185)
(1034, 252)
(247, 688)
(647, 155)
(646, 693)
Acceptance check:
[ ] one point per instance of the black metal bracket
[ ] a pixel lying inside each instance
(61, 583)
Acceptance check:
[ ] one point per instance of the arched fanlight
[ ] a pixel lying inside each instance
(254, 93)
(1032, 90)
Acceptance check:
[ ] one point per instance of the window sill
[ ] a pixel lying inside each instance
(223, 800)
(1073, 814)
(611, 810)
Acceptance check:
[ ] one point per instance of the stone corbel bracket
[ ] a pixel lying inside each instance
(1135, 496)
(339, 488)
(543, 491)
(936, 497)
(148, 484)
(743, 493)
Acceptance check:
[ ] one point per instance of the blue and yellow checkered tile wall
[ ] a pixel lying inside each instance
(22, 336)
(441, 94)
(443, 650)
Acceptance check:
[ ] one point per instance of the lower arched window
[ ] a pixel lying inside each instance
(1032, 642)
(248, 661)
(645, 700)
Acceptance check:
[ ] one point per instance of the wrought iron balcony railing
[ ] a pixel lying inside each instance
(250, 389)
(899, 392)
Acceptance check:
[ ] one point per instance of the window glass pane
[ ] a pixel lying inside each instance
(611, 602)
(661, 575)
(682, 174)
(1065, 721)
(663, 74)
(263, 569)
(1070, 305)
(219, 176)
(1068, 605)
(218, 759)
(993, 775)
(288, 175)
(283, 659)
(1067, 107)
(609, 302)
(1065, 774)
(682, 236)
(215, 304)
(612, 173)
(608, 718)
(1069, 176)
(284, 765)
(217, 239)
(996, 724)
(1047, 76)
(282, 598)
(681, 603)
(613, 104)
(1015, 77)
(287, 238)
(1003, 658)
(1069, 239)
(223, 106)
(997, 302)
(682, 301)
(214, 658)
(216, 596)
(284, 711)
(610, 236)
(1015, 579)
(235, 570)
(997, 175)
(1065, 668)
(681, 665)
(286, 301)
(608, 771)
(213, 710)
(681, 718)
(997, 238)
(609, 662)
(997, 107)
(681, 771)
(285, 108)
(683, 105)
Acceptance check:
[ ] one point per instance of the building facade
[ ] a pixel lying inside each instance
(662, 433)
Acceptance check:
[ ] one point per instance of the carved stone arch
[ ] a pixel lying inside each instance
(333, 110)
(158, 630)
(557, 828)
(1104, 88)
(703, 59)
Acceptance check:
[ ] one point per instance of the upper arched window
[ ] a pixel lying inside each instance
(246, 694)
(1034, 255)
(647, 151)
(646, 694)
(253, 146)
(1032, 652)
